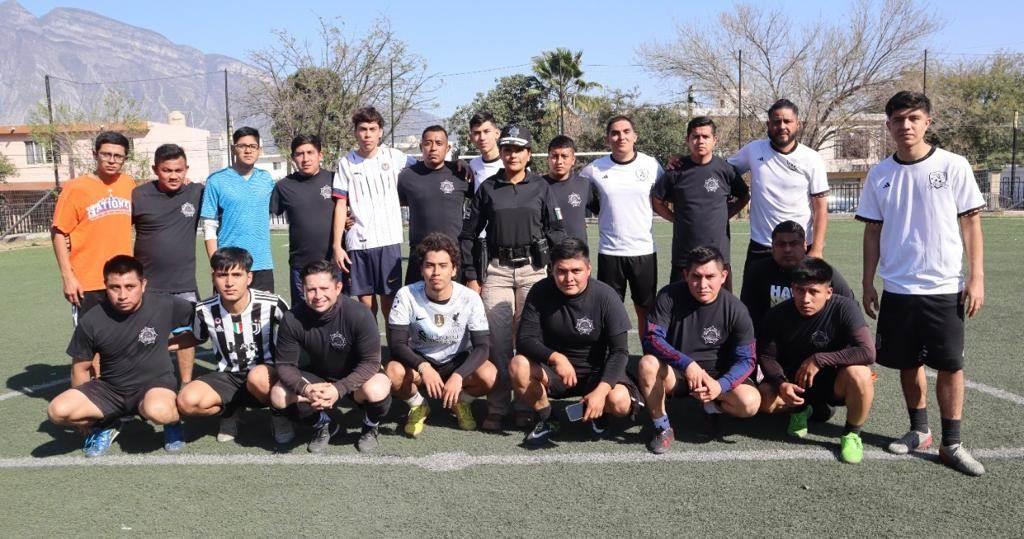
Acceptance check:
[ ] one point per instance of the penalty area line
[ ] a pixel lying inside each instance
(984, 388)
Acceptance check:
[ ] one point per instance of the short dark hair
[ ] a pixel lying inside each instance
(698, 256)
(434, 129)
(561, 141)
(481, 118)
(367, 115)
(812, 270)
(789, 227)
(111, 137)
(570, 248)
(701, 121)
(318, 266)
(438, 241)
(225, 258)
(300, 140)
(908, 100)
(123, 265)
(245, 131)
(784, 104)
(618, 118)
(167, 152)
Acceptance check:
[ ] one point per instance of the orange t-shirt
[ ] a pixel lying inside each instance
(98, 219)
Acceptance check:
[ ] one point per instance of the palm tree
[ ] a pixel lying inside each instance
(560, 73)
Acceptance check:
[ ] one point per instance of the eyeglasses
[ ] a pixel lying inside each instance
(247, 147)
(112, 157)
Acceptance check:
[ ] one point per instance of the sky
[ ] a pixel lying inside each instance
(469, 48)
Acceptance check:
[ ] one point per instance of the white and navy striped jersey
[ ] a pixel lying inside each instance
(370, 185)
(241, 340)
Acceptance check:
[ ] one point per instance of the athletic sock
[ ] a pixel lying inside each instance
(950, 432)
(375, 411)
(466, 398)
(661, 423)
(918, 419)
(415, 400)
(712, 408)
(543, 414)
(852, 428)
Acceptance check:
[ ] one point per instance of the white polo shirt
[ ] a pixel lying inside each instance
(371, 187)
(626, 221)
(781, 185)
(919, 205)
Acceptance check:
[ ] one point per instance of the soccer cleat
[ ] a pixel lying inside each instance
(822, 413)
(174, 437)
(98, 441)
(797, 427)
(281, 426)
(851, 448)
(367, 442)
(417, 417)
(710, 428)
(956, 457)
(599, 426)
(541, 433)
(661, 441)
(911, 441)
(464, 413)
(322, 433)
(228, 428)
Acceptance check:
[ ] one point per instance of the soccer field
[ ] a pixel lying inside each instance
(454, 483)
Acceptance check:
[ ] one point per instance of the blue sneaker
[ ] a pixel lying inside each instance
(98, 441)
(174, 437)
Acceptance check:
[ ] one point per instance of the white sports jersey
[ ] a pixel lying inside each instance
(438, 331)
(780, 186)
(243, 340)
(626, 220)
(481, 171)
(371, 187)
(918, 205)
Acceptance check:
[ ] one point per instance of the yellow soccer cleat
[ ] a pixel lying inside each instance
(464, 413)
(417, 417)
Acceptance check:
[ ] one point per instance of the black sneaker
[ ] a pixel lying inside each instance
(367, 442)
(599, 426)
(228, 427)
(662, 440)
(322, 433)
(821, 413)
(541, 433)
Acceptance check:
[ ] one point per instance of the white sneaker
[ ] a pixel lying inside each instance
(911, 441)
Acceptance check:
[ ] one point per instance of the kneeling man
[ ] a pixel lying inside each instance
(700, 342)
(814, 351)
(130, 332)
(339, 334)
(572, 342)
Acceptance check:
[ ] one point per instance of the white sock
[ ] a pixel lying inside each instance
(415, 400)
(712, 408)
(466, 398)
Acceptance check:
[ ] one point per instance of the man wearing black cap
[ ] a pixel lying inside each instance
(518, 212)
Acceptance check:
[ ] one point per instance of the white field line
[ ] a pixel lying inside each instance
(445, 462)
(987, 389)
(32, 389)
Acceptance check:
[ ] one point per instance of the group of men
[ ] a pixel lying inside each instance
(794, 341)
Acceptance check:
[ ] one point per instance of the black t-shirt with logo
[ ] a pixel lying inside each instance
(699, 196)
(574, 197)
(796, 338)
(437, 200)
(766, 284)
(343, 344)
(310, 209)
(132, 346)
(581, 327)
(165, 235)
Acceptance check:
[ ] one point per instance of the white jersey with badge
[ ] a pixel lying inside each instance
(919, 205)
(438, 331)
(780, 186)
(371, 188)
(626, 221)
(481, 171)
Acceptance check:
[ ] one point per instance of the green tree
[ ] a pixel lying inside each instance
(6, 168)
(515, 99)
(661, 128)
(560, 73)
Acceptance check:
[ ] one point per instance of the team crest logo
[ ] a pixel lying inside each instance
(147, 336)
(711, 335)
(711, 184)
(188, 210)
(819, 339)
(447, 187)
(575, 200)
(937, 180)
(385, 166)
(257, 327)
(218, 325)
(338, 341)
(439, 320)
(584, 326)
(325, 192)
(642, 174)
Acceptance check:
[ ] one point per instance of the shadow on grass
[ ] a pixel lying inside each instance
(40, 373)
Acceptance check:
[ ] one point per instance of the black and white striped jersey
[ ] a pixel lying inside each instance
(241, 340)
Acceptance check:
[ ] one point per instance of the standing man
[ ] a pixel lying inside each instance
(436, 195)
(235, 208)
(624, 181)
(483, 133)
(305, 196)
(787, 182)
(573, 194)
(917, 204)
(165, 213)
(367, 181)
(704, 192)
(92, 223)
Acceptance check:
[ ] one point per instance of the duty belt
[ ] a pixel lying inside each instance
(514, 257)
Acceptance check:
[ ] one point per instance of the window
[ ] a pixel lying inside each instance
(38, 154)
(277, 165)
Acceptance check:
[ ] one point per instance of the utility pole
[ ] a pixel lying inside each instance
(689, 102)
(53, 150)
(739, 106)
(1014, 189)
(392, 102)
(227, 120)
(924, 82)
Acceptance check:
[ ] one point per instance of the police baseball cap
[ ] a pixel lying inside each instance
(513, 135)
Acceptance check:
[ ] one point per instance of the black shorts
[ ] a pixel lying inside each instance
(89, 300)
(262, 280)
(376, 271)
(584, 384)
(915, 330)
(681, 389)
(755, 252)
(823, 389)
(231, 388)
(639, 272)
(115, 402)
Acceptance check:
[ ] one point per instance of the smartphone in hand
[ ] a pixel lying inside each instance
(574, 412)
